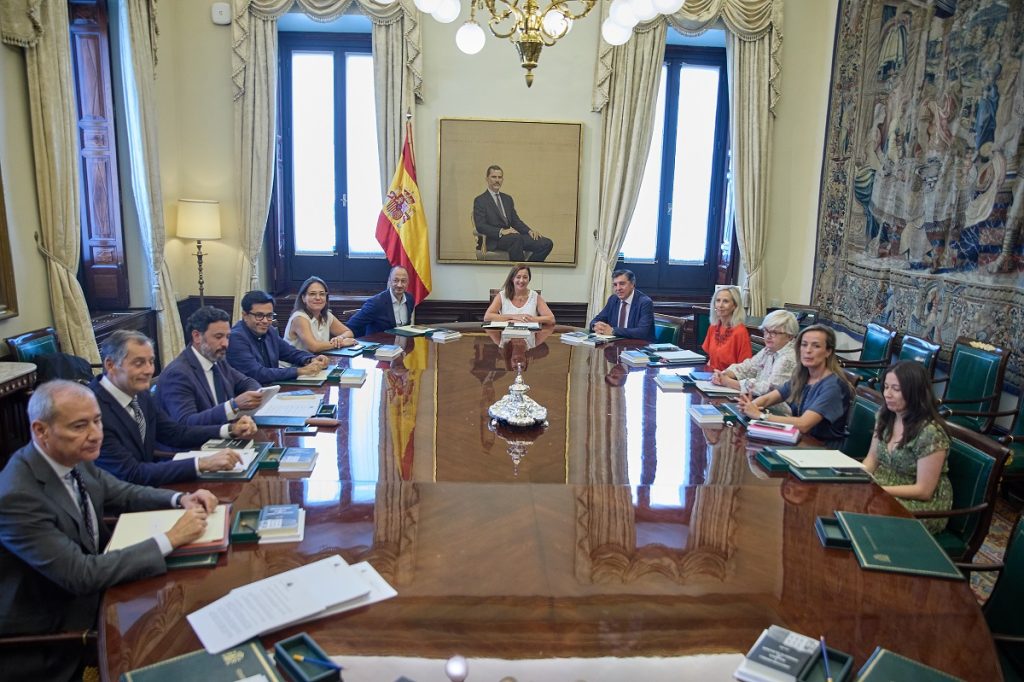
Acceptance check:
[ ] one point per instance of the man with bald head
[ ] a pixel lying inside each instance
(53, 497)
(390, 308)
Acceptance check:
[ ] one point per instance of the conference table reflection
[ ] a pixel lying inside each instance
(622, 529)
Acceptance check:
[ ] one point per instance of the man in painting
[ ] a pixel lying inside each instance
(495, 217)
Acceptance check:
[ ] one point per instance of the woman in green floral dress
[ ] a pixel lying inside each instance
(909, 448)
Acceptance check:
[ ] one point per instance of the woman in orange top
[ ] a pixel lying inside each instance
(727, 341)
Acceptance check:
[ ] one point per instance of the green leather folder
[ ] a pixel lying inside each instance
(884, 665)
(261, 449)
(244, 660)
(192, 561)
(771, 462)
(897, 545)
(829, 475)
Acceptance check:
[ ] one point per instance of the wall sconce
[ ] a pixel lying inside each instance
(199, 219)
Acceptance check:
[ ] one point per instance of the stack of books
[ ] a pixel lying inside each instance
(706, 414)
(680, 357)
(352, 377)
(773, 431)
(297, 460)
(135, 527)
(387, 351)
(442, 335)
(281, 523)
(412, 330)
(635, 358)
(519, 330)
(586, 338)
(823, 466)
(670, 383)
(778, 654)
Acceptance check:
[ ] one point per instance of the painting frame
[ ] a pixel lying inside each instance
(541, 162)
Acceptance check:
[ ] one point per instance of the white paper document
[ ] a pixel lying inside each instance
(267, 394)
(682, 356)
(715, 389)
(308, 592)
(317, 378)
(247, 455)
(807, 458)
(280, 406)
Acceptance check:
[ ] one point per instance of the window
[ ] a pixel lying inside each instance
(674, 240)
(330, 181)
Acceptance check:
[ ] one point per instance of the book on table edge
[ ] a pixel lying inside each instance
(352, 377)
(388, 351)
(242, 661)
(706, 413)
(670, 382)
(884, 665)
(278, 519)
(896, 545)
(634, 357)
(778, 655)
(297, 459)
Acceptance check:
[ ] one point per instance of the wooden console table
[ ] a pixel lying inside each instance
(16, 380)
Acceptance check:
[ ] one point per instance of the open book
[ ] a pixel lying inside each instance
(135, 527)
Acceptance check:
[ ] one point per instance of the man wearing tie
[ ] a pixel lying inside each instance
(199, 386)
(495, 217)
(133, 424)
(629, 312)
(389, 309)
(52, 571)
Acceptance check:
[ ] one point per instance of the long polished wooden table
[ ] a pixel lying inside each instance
(619, 529)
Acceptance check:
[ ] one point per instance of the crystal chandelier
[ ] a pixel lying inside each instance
(531, 28)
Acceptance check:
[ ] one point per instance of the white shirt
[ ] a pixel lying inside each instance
(400, 311)
(225, 430)
(62, 473)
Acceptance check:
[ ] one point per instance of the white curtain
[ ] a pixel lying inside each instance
(41, 29)
(754, 38)
(398, 83)
(138, 57)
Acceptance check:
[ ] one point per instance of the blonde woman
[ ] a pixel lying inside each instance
(727, 342)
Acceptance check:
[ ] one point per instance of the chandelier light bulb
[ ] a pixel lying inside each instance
(621, 12)
(668, 7)
(644, 9)
(470, 37)
(447, 11)
(556, 24)
(427, 6)
(614, 34)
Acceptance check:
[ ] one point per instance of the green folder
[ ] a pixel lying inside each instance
(244, 660)
(829, 475)
(261, 449)
(192, 561)
(884, 665)
(896, 545)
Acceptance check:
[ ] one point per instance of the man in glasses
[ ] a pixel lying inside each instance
(256, 349)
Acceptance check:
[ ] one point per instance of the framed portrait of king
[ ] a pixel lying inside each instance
(508, 191)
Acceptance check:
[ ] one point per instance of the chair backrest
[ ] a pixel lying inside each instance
(915, 348)
(861, 424)
(32, 344)
(701, 322)
(1003, 610)
(878, 344)
(668, 329)
(756, 343)
(976, 373)
(975, 465)
(806, 315)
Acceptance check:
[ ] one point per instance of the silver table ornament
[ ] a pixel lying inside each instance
(518, 409)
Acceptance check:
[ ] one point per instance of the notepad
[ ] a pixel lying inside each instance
(247, 455)
(135, 527)
(808, 458)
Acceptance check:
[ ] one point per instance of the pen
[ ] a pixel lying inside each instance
(824, 657)
(316, 661)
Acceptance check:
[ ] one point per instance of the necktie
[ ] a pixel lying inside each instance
(497, 200)
(262, 345)
(84, 505)
(623, 313)
(218, 386)
(140, 419)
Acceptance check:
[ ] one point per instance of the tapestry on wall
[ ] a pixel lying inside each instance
(921, 215)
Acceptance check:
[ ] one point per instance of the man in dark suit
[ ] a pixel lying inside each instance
(133, 424)
(197, 387)
(389, 309)
(629, 312)
(495, 217)
(52, 571)
(256, 348)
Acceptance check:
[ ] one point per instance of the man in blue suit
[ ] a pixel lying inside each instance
(133, 424)
(629, 312)
(389, 309)
(199, 386)
(256, 348)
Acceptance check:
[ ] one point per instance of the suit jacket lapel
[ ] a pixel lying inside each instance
(200, 376)
(127, 421)
(54, 489)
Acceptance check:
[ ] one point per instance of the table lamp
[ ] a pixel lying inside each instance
(199, 219)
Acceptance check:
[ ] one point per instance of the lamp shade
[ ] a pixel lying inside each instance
(198, 219)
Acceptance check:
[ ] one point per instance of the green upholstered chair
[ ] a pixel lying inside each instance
(861, 424)
(30, 345)
(975, 383)
(1002, 610)
(875, 353)
(1014, 469)
(701, 323)
(975, 465)
(756, 343)
(915, 348)
(668, 329)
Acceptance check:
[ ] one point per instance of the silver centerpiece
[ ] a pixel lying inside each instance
(518, 409)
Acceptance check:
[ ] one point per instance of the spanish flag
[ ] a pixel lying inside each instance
(402, 225)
